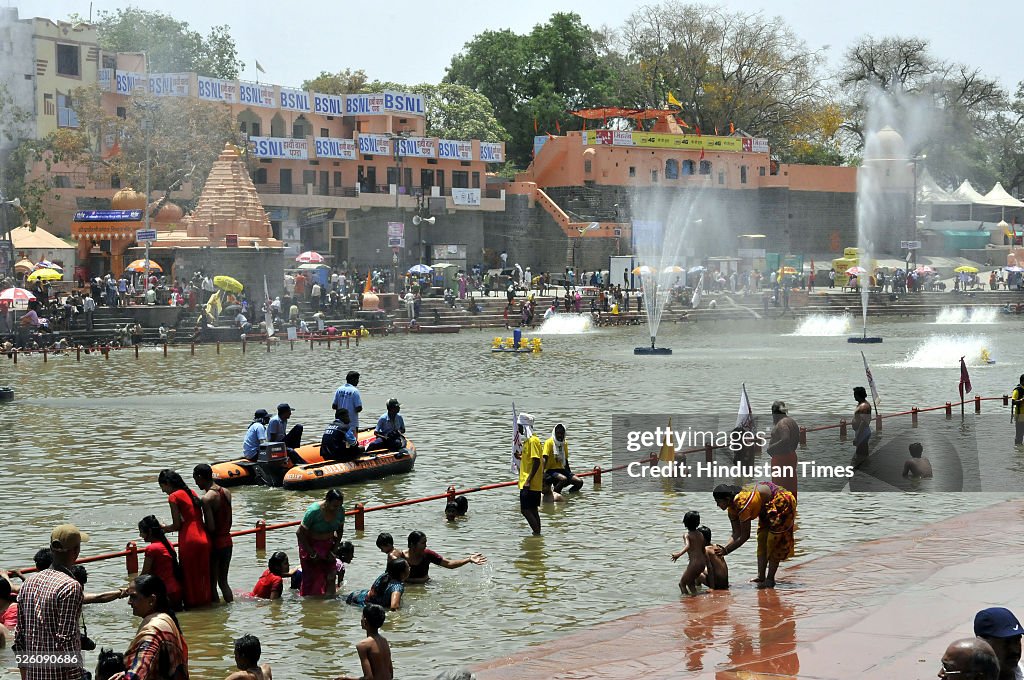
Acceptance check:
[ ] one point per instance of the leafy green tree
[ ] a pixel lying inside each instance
(542, 76)
(341, 82)
(171, 45)
(745, 69)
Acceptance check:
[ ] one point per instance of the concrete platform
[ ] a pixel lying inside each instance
(881, 609)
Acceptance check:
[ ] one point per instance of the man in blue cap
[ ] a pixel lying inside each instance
(1000, 628)
(277, 429)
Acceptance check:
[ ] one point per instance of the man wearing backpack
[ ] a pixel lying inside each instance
(1017, 411)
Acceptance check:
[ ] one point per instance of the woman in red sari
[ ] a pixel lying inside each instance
(161, 560)
(193, 544)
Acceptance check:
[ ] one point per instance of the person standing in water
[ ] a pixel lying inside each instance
(861, 422)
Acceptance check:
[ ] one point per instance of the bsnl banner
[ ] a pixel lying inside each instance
(279, 147)
(332, 147)
(387, 103)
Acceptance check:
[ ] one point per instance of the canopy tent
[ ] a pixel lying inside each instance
(42, 245)
(967, 194)
(928, 191)
(999, 196)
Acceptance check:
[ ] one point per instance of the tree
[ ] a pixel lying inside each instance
(341, 82)
(725, 68)
(944, 110)
(170, 45)
(184, 137)
(542, 76)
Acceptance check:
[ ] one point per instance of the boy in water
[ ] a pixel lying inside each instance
(716, 577)
(374, 651)
(387, 546)
(343, 554)
(917, 465)
(693, 546)
(247, 659)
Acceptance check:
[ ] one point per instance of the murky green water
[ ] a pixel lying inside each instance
(83, 442)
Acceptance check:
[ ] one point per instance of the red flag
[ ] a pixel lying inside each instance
(368, 288)
(965, 379)
(698, 130)
(558, 128)
(702, 154)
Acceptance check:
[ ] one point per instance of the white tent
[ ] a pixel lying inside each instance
(999, 196)
(966, 193)
(928, 191)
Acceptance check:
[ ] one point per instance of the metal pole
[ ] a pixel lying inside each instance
(145, 283)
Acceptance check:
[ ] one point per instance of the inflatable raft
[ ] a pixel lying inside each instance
(317, 473)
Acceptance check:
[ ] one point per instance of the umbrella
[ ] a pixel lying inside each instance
(46, 264)
(924, 269)
(965, 269)
(789, 270)
(674, 269)
(695, 270)
(139, 267)
(310, 257)
(22, 266)
(856, 271)
(45, 275)
(312, 265)
(644, 270)
(420, 269)
(16, 295)
(1015, 269)
(227, 283)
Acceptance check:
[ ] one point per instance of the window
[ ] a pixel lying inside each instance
(671, 169)
(261, 176)
(721, 176)
(61, 182)
(48, 108)
(476, 180)
(254, 129)
(122, 113)
(115, 181)
(68, 61)
(760, 171)
(705, 167)
(286, 181)
(460, 179)
(465, 164)
(337, 179)
(587, 166)
(324, 132)
(654, 176)
(688, 168)
(743, 174)
(277, 126)
(301, 128)
(309, 176)
(66, 116)
(632, 171)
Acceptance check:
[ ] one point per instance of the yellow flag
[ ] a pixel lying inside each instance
(667, 454)
(673, 101)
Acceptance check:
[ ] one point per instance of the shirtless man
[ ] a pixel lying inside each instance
(247, 658)
(374, 651)
(217, 517)
(716, 576)
(917, 465)
(861, 422)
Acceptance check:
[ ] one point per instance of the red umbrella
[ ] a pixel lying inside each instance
(310, 257)
(17, 295)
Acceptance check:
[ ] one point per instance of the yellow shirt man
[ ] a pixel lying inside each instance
(531, 467)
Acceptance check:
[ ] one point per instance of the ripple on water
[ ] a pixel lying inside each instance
(85, 441)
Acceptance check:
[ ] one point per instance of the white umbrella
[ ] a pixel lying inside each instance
(17, 295)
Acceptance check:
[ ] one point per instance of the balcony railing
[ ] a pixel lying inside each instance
(352, 192)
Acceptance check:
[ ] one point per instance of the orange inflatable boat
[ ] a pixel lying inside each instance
(315, 473)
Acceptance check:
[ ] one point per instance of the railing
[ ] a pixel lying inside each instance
(131, 551)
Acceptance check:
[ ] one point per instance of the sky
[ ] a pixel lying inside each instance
(411, 42)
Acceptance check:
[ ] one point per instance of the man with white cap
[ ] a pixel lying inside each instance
(1000, 628)
(49, 607)
(531, 473)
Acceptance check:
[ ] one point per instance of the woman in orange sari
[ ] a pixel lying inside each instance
(775, 510)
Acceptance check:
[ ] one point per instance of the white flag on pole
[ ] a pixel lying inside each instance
(517, 442)
(871, 380)
(745, 415)
(695, 300)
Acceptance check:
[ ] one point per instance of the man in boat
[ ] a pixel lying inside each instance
(390, 430)
(277, 431)
(338, 442)
(256, 434)
(347, 397)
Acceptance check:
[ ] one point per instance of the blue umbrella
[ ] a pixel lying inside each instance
(420, 269)
(698, 268)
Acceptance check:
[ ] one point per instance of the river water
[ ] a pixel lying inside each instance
(83, 442)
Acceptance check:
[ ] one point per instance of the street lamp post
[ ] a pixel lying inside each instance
(6, 244)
